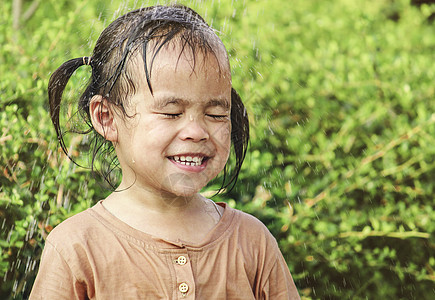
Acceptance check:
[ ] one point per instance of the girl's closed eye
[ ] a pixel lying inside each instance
(218, 110)
(218, 117)
(213, 116)
(171, 115)
(217, 113)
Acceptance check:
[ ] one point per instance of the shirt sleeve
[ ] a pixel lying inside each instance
(279, 284)
(55, 279)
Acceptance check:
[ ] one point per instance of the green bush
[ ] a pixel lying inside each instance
(341, 161)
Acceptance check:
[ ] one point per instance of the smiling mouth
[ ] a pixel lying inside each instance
(189, 160)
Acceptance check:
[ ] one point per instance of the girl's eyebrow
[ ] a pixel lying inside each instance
(218, 102)
(162, 103)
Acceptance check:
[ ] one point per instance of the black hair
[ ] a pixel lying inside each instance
(129, 33)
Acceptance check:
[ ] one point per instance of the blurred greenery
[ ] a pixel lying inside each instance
(341, 163)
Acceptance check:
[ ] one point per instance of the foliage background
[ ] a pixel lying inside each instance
(341, 165)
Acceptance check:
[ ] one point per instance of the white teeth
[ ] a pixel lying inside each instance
(189, 160)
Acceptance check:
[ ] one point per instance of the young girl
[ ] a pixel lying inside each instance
(161, 96)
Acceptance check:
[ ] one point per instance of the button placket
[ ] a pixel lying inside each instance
(184, 275)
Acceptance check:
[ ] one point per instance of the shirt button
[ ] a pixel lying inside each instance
(181, 260)
(183, 287)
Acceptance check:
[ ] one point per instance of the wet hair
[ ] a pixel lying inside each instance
(144, 31)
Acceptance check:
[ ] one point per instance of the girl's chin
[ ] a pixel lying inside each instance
(183, 185)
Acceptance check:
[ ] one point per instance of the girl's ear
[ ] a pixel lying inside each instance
(102, 118)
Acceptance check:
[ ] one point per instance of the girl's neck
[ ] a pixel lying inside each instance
(177, 218)
(153, 201)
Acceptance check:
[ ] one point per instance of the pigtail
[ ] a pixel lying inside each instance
(240, 126)
(239, 137)
(56, 87)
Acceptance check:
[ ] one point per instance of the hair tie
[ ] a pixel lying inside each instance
(86, 60)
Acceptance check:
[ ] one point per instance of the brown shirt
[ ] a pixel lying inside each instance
(94, 255)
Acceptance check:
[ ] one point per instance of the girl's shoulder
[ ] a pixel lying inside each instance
(249, 229)
(246, 221)
(78, 227)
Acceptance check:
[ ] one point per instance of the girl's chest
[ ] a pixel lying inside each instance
(173, 274)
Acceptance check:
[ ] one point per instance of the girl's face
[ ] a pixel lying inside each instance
(177, 139)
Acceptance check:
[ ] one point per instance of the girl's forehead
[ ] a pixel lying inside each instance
(174, 57)
(205, 64)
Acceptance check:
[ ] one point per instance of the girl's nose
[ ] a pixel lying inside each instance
(194, 129)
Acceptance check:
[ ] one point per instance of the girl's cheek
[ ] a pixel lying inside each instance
(224, 133)
(224, 140)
